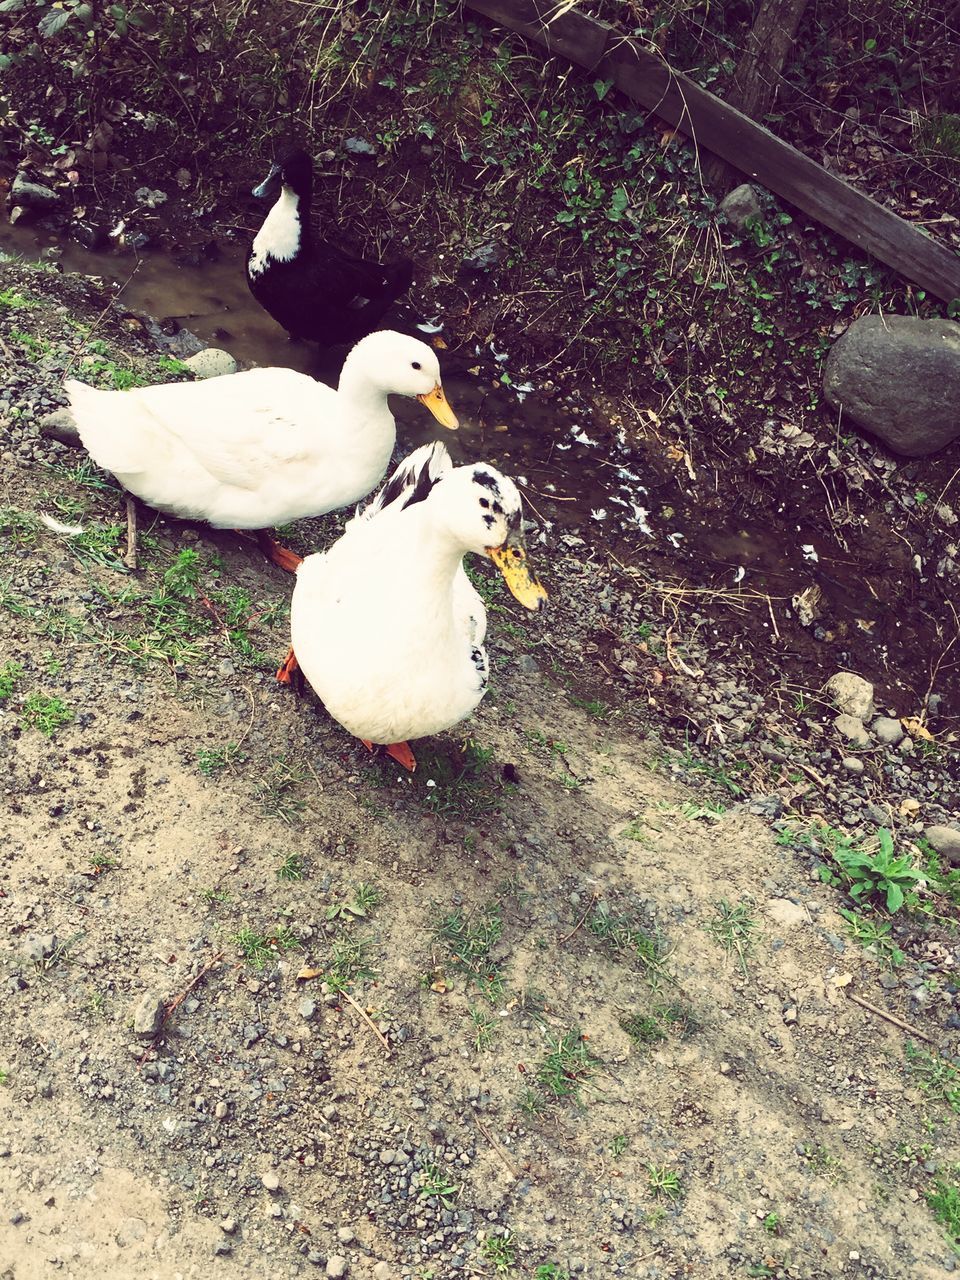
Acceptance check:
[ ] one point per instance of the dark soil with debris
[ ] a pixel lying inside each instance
(576, 998)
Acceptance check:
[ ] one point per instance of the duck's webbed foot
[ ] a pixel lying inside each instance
(280, 555)
(399, 751)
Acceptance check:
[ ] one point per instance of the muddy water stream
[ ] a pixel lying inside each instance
(579, 471)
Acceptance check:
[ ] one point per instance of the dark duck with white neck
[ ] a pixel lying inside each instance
(312, 288)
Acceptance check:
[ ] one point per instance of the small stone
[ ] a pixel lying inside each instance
(337, 1265)
(787, 913)
(387, 1156)
(228, 1226)
(221, 1110)
(37, 947)
(484, 257)
(360, 147)
(852, 764)
(346, 1236)
(946, 841)
(306, 1009)
(887, 730)
(222, 1249)
(381, 1271)
(149, 198)
(741, 206)
(851, 694)
(91, 235)
(851, 727)
(211, 362)
(148, 1015)
(131, 1231)
(270, 1181)
(60, 426)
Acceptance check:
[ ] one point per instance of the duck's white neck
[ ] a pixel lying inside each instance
(440, 552)
(281, 236)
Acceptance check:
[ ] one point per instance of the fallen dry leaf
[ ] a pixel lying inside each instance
(841, 980)
(306, 972)
(909, 807)
(916, 728)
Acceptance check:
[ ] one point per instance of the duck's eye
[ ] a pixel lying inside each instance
(417, 364)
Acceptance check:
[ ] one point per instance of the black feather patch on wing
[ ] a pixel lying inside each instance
(413, 480)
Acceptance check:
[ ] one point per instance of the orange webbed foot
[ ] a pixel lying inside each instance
(399, 751)
(288, 667)
(280, 555)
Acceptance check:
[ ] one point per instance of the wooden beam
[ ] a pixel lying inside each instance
(715, 126)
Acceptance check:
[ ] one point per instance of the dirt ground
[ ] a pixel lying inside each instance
(272, 1007)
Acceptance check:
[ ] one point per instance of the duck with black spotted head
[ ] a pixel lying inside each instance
(385, 625)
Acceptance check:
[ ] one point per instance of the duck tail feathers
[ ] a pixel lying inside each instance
(411, 482)
(102, 419)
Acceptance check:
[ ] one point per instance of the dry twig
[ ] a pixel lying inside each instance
(890, 1017)
(369, 1021)
(590, 905)
(172, 1005)
(498, 1148)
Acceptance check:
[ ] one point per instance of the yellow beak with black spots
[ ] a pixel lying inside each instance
(439, 406)
(511, 560)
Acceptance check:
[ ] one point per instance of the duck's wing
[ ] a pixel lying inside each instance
(411, 482)
(353, 281)
(356, 291)
(238, 428)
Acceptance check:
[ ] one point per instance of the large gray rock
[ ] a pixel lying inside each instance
(899, 378)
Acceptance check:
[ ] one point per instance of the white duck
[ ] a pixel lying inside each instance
(256, 449)
(385, 625)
